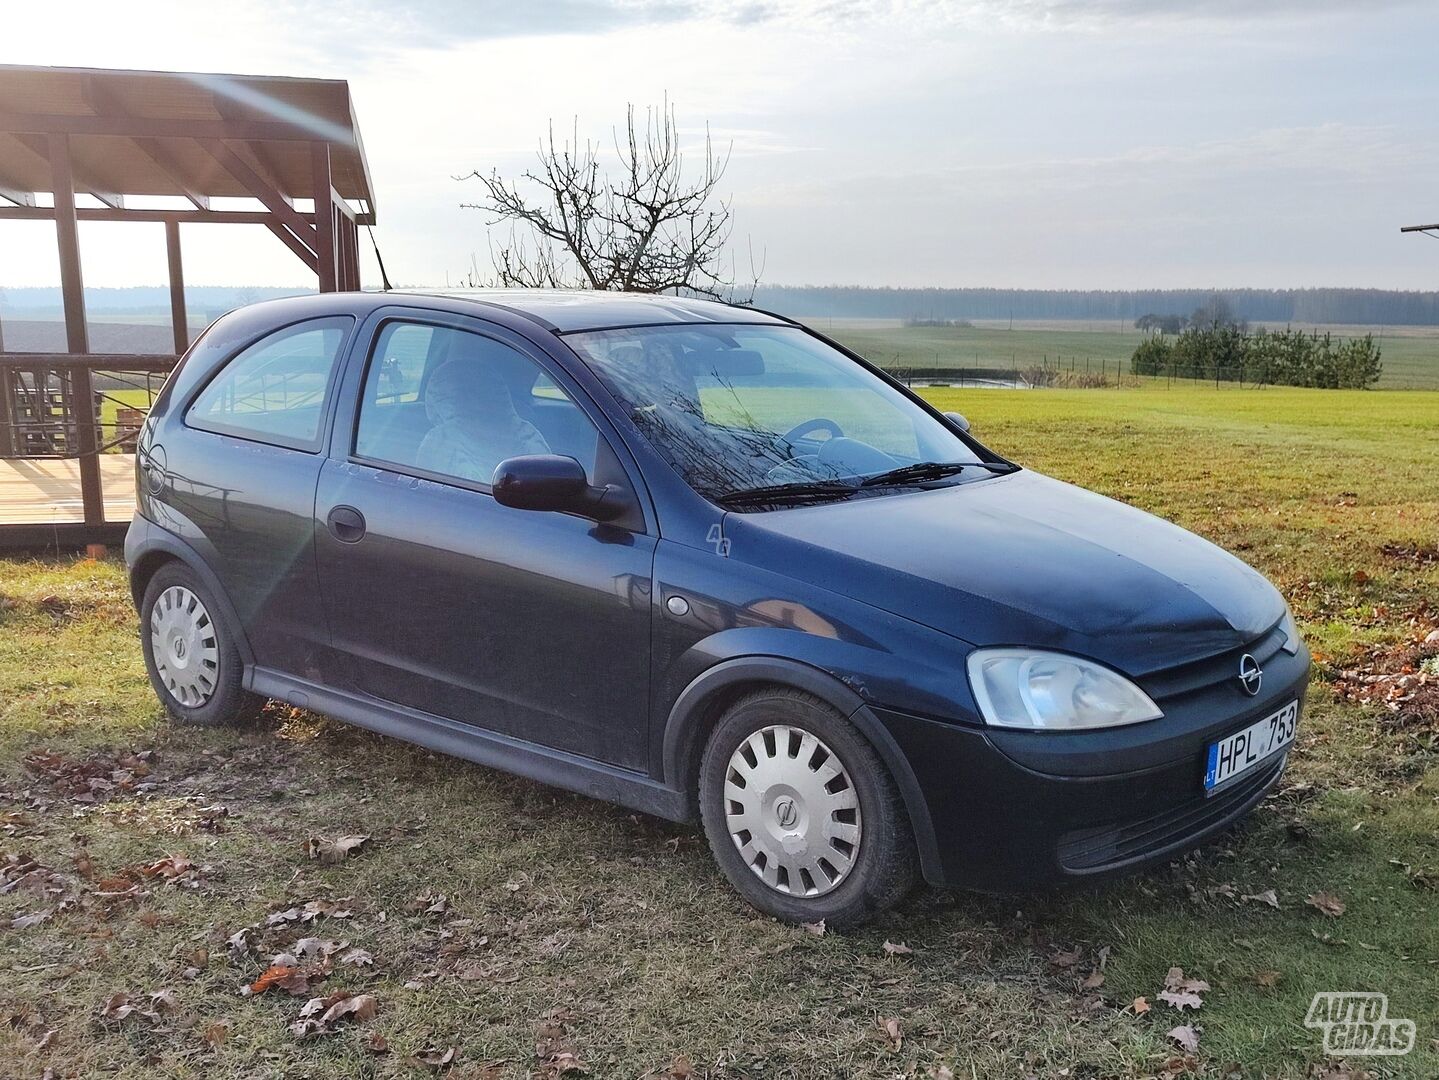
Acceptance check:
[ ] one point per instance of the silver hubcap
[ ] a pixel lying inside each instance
(792, 811)
(182, 639)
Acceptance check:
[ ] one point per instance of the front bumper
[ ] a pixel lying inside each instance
(1002, 822)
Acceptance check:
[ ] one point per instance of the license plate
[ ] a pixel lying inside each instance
(1238, 753)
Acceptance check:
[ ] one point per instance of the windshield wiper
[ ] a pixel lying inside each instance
(802, 491)
(922, 471)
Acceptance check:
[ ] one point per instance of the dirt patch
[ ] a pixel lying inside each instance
(1417, 555)
(1402, 679)
(92, 779)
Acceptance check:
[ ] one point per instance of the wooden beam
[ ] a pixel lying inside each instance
(166, 161)
(77, 334)
(341, 205)
(179, 319)
(132, 126)
(82, 182)
(324, 218)
(106, 102)
(264, 167)
(251, 181)
(295, 244)
(95, 213)
(13, 191)
(64, 535)
(28, 361)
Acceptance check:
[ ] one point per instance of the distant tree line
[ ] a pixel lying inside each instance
(1216, 311)
(1280, 357)
(953, 324)
(1371, 307)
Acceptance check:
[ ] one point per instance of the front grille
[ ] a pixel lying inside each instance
(1200, 676)
(1091, 850)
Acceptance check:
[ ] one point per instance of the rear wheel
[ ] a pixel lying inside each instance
(190, 653)
(801, 813)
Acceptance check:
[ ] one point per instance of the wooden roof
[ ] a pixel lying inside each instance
(151, 132)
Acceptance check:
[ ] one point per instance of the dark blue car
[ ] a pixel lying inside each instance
(699, 560)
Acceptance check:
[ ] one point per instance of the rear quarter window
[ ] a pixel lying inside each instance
(276, 390)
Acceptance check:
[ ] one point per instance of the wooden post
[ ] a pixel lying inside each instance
(178, 319)
(324, 217)
(77, 335)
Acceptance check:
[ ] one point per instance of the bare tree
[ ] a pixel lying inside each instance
(645, 226)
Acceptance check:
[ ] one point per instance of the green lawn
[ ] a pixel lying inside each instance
(1410, 354)
(571, 926)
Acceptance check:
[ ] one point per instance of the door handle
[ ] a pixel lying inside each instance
(347, 524)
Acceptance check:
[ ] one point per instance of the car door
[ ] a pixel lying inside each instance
(531, 624)
(240, 482)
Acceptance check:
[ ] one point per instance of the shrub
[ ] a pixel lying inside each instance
(1285, 357)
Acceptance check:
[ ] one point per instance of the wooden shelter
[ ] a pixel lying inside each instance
(79, 144)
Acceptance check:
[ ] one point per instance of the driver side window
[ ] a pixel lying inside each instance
(454, 404)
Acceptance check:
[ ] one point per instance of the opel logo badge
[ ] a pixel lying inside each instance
(1250, 674)
(786, 813)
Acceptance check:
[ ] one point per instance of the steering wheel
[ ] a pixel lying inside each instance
(819, 423)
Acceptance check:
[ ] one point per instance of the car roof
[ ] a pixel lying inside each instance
(565, 310)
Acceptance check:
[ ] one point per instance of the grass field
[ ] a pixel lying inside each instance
(1410, 354)
(517, 925)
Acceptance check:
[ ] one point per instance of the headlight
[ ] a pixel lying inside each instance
(1290, 632)
(1045, 691)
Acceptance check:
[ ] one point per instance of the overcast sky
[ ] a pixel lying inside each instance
(1029, 143)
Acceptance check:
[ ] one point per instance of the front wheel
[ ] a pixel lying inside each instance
(801, 813)
(190, 653)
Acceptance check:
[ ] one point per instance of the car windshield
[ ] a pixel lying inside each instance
(740, 409)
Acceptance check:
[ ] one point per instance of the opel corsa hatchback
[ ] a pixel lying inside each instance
(698, 560)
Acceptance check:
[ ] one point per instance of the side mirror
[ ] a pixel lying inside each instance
(552, 482)
(958, 420)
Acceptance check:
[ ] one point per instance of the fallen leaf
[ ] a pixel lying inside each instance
(429, 904)
(893, 1032)
(1268, 896)
(288, 977)
(318, 1016)
(1267, 977)
(815, 928)
(1094, 981)
(1181, 1000)
(35, 918)
(376, 1043)
(900, 949)
(1326, 903)
(941, 1072)
(1186, 1037)
(1062, 959)
(169, 868)
(1176, 980)
(1141, 1006)
(473, 970)
(216, 1033)
(329, 852)
(313, 948)
(432, 1057)
(150, 1007)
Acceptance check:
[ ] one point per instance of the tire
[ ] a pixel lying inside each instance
(809, 779)
(190, 651)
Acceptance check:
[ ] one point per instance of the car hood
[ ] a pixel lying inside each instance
(1023, 560)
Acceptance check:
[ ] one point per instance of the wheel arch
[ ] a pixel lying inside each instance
(701, 704)
(158, 549)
